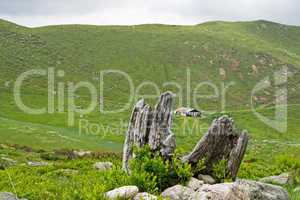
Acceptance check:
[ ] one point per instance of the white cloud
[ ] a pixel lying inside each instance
(37, 12)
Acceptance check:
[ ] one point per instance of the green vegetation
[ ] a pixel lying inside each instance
(221, 172)
(152, 174)
(247, 52)
(76, 178)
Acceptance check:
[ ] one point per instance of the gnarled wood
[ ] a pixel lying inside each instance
(160, 136)
(153, 127)
(137, 131)
(237, 154)
(150, 127)
(220, 142)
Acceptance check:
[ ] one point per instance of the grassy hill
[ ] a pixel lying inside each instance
(216, 52)
(220, 52)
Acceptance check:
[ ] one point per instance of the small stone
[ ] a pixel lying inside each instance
(8, 160)
(195, 184)
(207, 179)
(82, 154)
(67, 171)
(297, 189)
(9, 196)
(126, 192)
(281, 179)
(103, 166)
(178, 192)
(3, 146)
(144, 196)
(37, 164)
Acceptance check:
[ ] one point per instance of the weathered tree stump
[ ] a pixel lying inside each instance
(153, 127)
(160, 136)
(220, 142)
(137, 131)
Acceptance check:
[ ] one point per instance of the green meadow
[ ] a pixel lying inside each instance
(238, 55)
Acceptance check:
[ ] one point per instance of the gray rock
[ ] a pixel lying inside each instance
(103, 166)
(144, 196)
(214, 192)
(9, 196)
(6, 162)
(126, 192)
(37, 164)
(259, 191)
(195, 184)
(207, 179)
(178, 192)
(9, 160)
(297, 189)
(281, 179)
(82, 154)
(241, 189)
(67, 172)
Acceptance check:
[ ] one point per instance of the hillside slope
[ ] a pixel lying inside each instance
(218, 52)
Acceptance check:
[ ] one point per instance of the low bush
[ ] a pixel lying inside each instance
(221, 172)
(151, 173)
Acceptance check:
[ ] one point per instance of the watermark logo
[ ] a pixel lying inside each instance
(279, 122)
(61, 93)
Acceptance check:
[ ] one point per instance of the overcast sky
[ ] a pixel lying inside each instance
(122, 12)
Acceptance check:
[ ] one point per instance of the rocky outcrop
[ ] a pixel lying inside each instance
(126, 192)
(241, 190)
(196, 190)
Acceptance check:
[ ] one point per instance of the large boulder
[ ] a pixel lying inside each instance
(103, 166)
(215, 192)
(241, 190)
(259, 191)
(144, 196)
(281, 179)
(125, 192)
(178, 192)
(9, 196)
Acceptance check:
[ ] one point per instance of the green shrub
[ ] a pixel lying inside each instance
(200, 167)
(151, 173)
(220, 171)
(287, 162)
